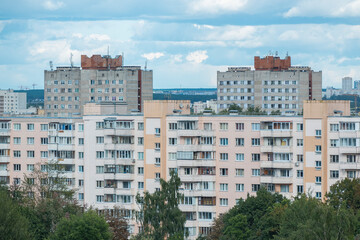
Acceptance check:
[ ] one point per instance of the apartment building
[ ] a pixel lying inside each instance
(219, 159)
(102, 80)
(12, 102)
(273, 85)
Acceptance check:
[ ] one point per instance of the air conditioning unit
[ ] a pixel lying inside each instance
(297, 164)
(133, 161)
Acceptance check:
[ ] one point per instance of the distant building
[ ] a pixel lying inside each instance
(347, 83)
(199, 107)
(101, 79)
(357, 84)
(273, 85)
(12, 102)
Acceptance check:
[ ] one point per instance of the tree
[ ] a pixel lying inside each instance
(159, 214)
(118, 225)
(345, 193)
(275, 112)
(88, 226)
(309, 218)
(12, 224)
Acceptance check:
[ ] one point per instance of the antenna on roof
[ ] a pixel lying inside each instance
(287, 53)
(71, 60)
(51, 66)
(34, 85)
(276, 53)
(145, 64)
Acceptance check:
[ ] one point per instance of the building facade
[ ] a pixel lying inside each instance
(219, 158)
(12, 102)
(100, 80)
(273, 85)
(347, 84)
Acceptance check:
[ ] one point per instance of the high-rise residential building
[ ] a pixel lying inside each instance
(273, 85)
(102, 80)
(357, 84)
(347, 83)
(12, 102)
(220, 159)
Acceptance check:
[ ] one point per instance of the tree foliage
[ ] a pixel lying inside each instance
(345, 193)
(159, 214)
(118, 225)
(87, 226)
(13, 225)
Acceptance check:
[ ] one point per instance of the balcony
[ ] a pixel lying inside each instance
(64, 147)
(276, 179)
(275, 133)
(349, 165)
(197, 163)
(119, 132)
(118, 146)
(4, 173)
(354, 150)
(195, 133)
(197, 178)
(4, 159)
(195, 148)
(119, 176)
(5, 132)
(202, 193)
(61, 133)
(276, 149)
(124, 161)
(276, 164)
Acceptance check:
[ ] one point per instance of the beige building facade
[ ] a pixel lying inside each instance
(219, 158)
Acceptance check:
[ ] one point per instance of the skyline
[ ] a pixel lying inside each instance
(184, 42)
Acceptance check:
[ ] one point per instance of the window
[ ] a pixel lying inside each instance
(284, 173)
(172, 126)
(206, 215)
(300, 188)
(318, 195)
(157, 146)
(318, 148)
(172, 141)
(223, 172)
(223, 126)
(239, 187)
(140, 126)
(334, 142)
(224, 187)
(17, 154)
(239, 157)
(172, 156)
(334, 158)
(239, 141)
(334, 127)
(157, 176)
(140, 185)
(255, 126)
(140, 170)
(30, 127)
(17, 126)
(300, 173)
(348, 126)
(99, 169)
(255, 172)
(99, 198)
(334, 174)
(30, 154)
(318, 164)
(140, 141)
(81, 168)
(224, 141)
(208, 126)
(284, 188)
(81, 127)
(239, 126)
(44, 154)
(81, 155)
(300, 158)
(17, 167)
(239, 172)
(255, 187)
(318, 133)
(224, 201)
(17, 140)
(157, 131)
(299, 127)
(255, 157)
(141, 155)
(30, 141)
(318, 180)
(44, 127)
(299, 142)
(224, 156)
(351, 158)
(100, 154)
(99, 140)
(44, 141)
(157, 161)
(351, 174)
(30, 167)
(255, 141)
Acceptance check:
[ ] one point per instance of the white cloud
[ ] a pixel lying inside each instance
(176, 58)
(216, 6)
(153, 55)
(325, 8)
(197, 56)
(51, 5)
(98, 37)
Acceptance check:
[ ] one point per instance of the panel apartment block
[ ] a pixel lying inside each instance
(67, 89)
(273, 85)
(220, 159)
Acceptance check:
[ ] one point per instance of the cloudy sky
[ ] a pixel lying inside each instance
(184, 41)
